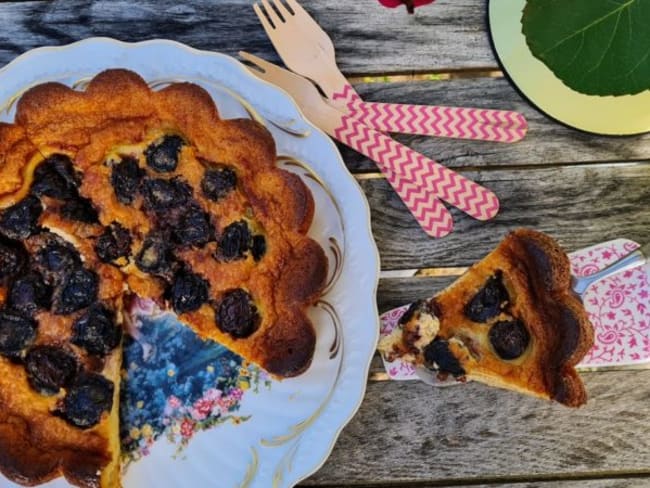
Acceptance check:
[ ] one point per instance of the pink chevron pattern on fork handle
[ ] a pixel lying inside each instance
(347, 94)
(428, 210)
(456, 122)
(422, 172)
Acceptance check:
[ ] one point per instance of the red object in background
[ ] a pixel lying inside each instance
(410, 4)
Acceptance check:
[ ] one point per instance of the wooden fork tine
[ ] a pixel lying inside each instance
(262, 75)
(265, 22)
(297, 8)
(258, 62)
(277, 75)
(262, 68)
(305, 19)
(273, 15)
(282, 9)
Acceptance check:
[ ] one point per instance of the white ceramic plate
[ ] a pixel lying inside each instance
(195, 415)
(610, 115)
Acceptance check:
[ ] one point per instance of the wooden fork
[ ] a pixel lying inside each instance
(307, 50)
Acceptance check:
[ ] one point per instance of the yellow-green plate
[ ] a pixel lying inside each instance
(624, 115)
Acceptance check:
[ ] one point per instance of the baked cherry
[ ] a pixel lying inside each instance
(509, 338)
(50, 368)
(155, 254)
(125, 178)
(237, 314)
(235, 241)
(218, 182)
(258, 247)
(55, 177)
(13, 258)
(78, 290)
(81, 210)
(58, 258)
(416, 308)
(161, 195)
(21, 219)
(188, 292)
(16, 333)
(89, 397)
(163, 155)
(96, 331)
(114, 243)
(438, 356)
(55, 257)
(192, 226)
(489, 301)
(29, 293)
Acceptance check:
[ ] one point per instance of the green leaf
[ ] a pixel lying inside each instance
(596, 47)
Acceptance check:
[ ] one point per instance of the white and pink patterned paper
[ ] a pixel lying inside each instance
(618, 307)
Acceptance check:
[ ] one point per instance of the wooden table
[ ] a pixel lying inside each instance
(580, 188)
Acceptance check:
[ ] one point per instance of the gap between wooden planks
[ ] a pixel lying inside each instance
(372, 175)
(401, 77)
(605, 479)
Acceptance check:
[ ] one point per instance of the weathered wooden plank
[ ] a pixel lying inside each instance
(394, 292)
(636, 482)
(640, 482)
(408, 432)
(578, 205)
(369, 38)
(547, 141)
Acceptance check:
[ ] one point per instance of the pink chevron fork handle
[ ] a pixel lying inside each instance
(473, 199)
(428, 210)
(442, 121)
(431, 214)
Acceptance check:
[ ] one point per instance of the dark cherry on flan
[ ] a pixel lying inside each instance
(236, 314)
(490, 300)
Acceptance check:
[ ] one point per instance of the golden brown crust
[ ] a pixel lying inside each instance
(118, 115)
(548, 273)
(16, 153)
(53, 114)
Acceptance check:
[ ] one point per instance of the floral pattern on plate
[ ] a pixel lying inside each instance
(176, 383)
